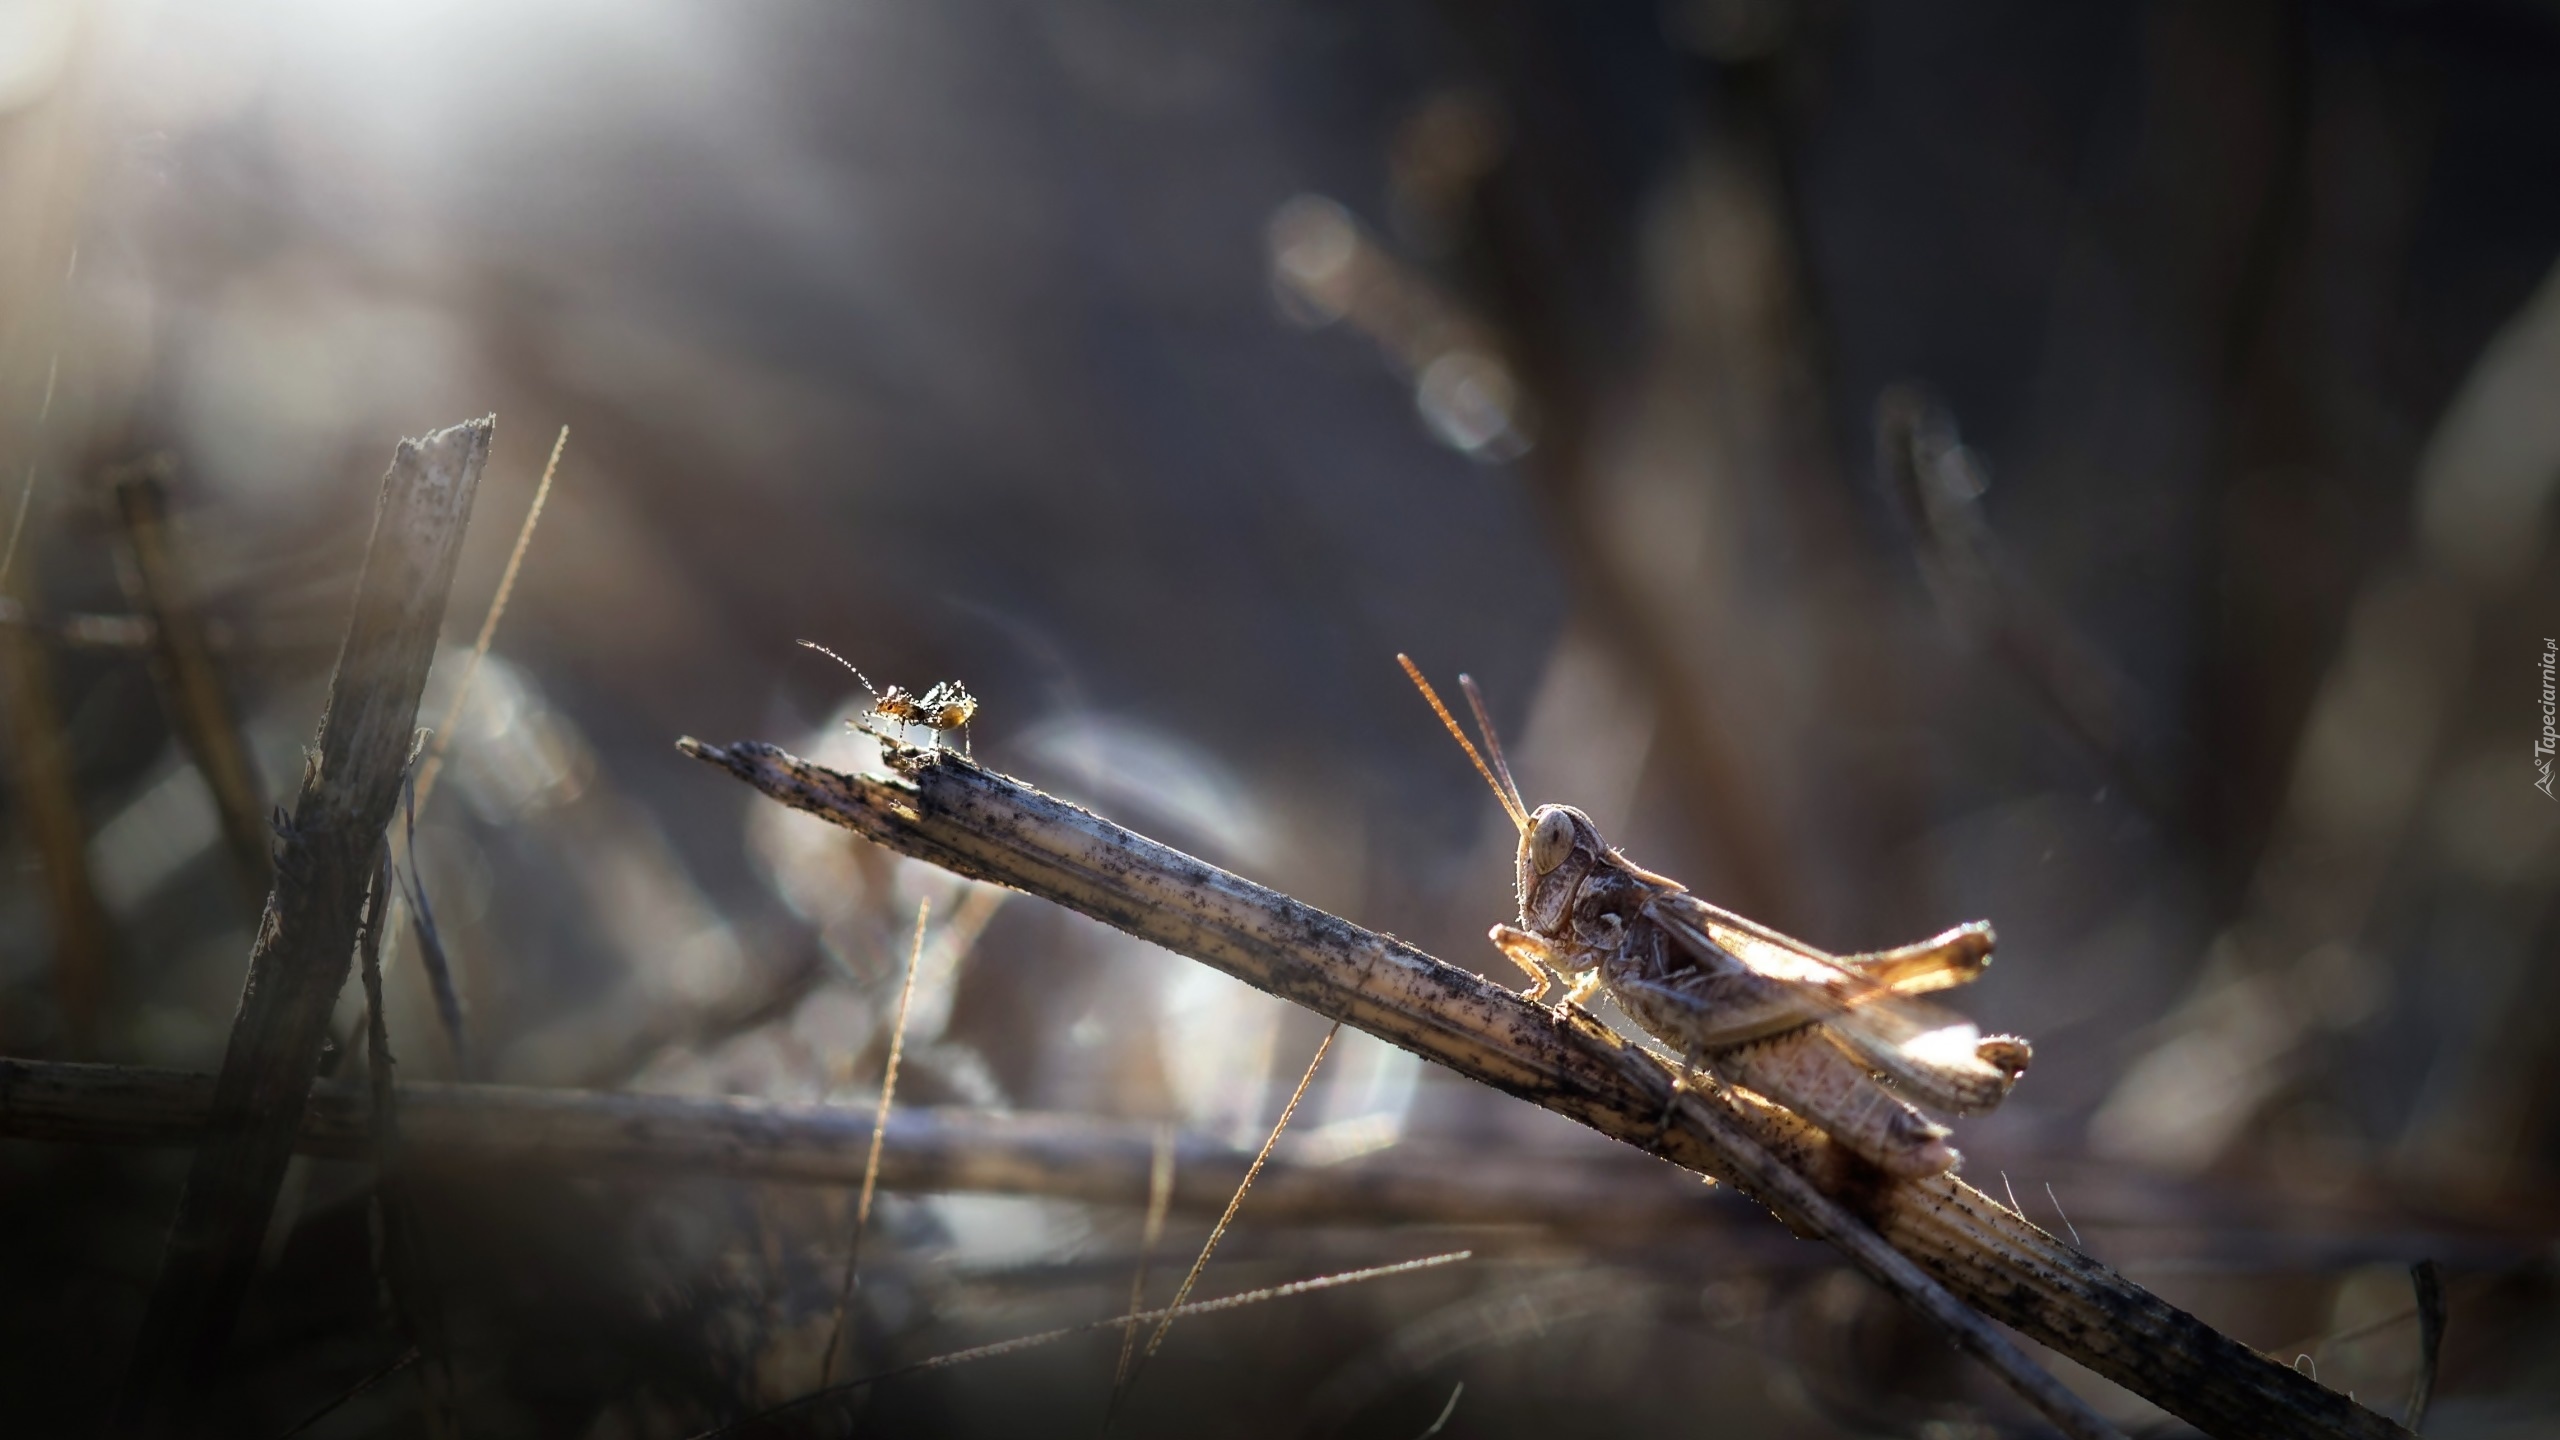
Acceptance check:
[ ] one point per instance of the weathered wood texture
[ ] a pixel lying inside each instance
(1944, 1236)
(307, 936)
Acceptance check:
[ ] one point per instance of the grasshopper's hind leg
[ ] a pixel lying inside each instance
(1690, 1060)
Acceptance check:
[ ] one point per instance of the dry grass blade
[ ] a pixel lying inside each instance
(1927, 1241)
(1442, 1423)
(400, 1362)
(183, 663)
(879, 1132)
(1932, 478)
(2428, 1277)
(1159, 1198)
(404, 1264)
(18, 524)
(1064, 1332)
(1218, 1232)
(432, 954)
(27, 491)
(302, 954)
(434, 767)
(48, 798)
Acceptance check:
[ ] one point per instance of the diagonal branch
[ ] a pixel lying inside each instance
(307, 938)
(1929, 1241)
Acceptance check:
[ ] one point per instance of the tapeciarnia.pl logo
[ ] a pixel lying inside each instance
(2550, 740)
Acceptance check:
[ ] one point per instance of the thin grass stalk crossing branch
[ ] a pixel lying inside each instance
(879, 1132)
(1159, 1198)
(1048, 1337)
(405, 1270)
(1218, 1231)
(443, 741)
(1929, 1241)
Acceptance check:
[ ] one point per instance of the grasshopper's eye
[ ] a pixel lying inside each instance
(1551, 841)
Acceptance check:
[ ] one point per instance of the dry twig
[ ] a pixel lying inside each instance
(190, 682)
(1921, 1239)
(40, 766)
(308, 938)
(1062, 1157)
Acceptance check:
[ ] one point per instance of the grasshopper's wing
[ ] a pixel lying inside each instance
(1938, 1057)
(1699, 1005)
(1941, 963)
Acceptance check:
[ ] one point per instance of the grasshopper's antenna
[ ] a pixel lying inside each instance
(1511, 806)
(858, 675)
(1492, 742)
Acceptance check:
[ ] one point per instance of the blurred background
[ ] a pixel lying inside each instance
(2087, 468)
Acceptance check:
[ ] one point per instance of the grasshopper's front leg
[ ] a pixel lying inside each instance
(1544, 959)
(1531, 953)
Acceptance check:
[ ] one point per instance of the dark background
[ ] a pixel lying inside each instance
(2083, 467)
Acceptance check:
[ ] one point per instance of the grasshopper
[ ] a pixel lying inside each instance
(948, 706)
(1838, 1039)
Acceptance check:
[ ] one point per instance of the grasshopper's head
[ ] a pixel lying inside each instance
(1559, 850)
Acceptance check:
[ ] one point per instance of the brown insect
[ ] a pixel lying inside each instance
(946, 707)
(1838, 1039)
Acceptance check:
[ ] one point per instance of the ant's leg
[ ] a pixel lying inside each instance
(1531, 953)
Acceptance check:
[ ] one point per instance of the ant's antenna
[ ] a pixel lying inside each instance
(1492, 742)
(1511, 806)
(858, 675)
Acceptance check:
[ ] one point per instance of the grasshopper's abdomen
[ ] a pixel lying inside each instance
(1694, 1004)
(1808, 1073)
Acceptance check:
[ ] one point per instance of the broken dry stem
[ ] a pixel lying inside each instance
(307, 939)
(1929, 1241)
